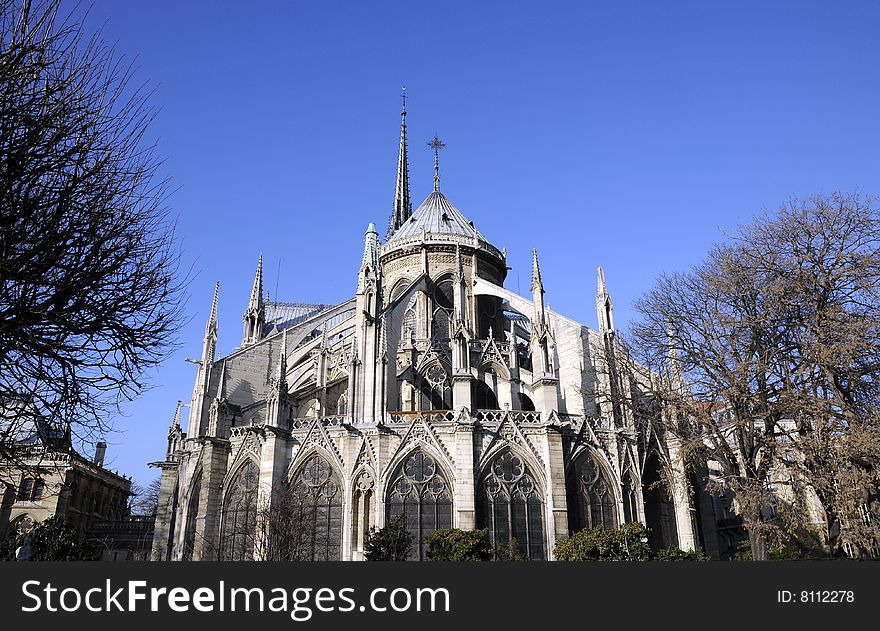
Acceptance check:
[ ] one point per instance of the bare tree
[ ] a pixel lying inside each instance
(826, 250)
(145, 501)
(286, 527)
(89, 288)
(764, 358)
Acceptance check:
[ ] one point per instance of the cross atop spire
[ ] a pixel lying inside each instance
(436, 144)
(402, 208)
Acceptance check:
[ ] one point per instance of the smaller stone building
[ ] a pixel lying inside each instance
(44, 476)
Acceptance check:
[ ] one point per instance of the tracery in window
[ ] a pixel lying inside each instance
(443, 308)
(435, 389)
(419, 491)
(317, 511)
(590, 499)
(510, 506)
(192, 513)
(240, 515)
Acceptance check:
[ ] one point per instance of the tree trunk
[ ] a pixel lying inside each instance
(759, 545)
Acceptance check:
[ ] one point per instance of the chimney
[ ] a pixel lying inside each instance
(100, 450)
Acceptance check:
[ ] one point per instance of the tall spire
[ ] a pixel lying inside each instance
(371, 249)
(282, 361)
(402, 209)
(436, 144)
(211, 325)
(536, 273)
(175, 435)
(256, 300)
(604, 307)
(537, 294)
(175, 422)
(277, 408)
(210, 344)
(254, 315)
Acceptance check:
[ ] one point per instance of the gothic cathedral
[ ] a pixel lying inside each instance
(434, 393)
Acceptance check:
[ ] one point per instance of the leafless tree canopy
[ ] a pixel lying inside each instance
(766, 359)
(89, 289)
(145, 501)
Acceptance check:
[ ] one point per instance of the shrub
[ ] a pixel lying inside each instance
(391, 543)
(629, 542)
(677, 554)
(453, 544)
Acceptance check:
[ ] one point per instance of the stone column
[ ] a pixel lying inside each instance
(461, 391)
(166, 514)
(273, 468)
(557, 499)
(465, 487)
(215, 454)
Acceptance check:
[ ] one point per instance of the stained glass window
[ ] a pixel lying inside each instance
(443, 307)
(318, 494)
(419, 491)
(240, 515)
(510, 505)
(590, 499)
(435, 389)
(192, 513)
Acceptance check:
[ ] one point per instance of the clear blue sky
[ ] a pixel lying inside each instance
(620, 134)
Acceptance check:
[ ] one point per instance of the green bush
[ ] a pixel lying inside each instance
(391, 543)
(453, 544)
(677, 554)
(787, 552)
(629, 542)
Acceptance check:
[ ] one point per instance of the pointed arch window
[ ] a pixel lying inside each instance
(410, 321)
(525, 402)
(591, 501)
(436, 391)
(630, 499)
(419, 491)
(342, 404)
(316, 511)
(444, 292)
(511, 507)
(400, 287)
(240, 515)
(440, 324)
(483, 396)
(192, 514)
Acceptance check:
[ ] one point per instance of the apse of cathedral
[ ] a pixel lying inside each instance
(434, 393)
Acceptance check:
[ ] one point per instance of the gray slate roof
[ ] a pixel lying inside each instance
(282, 315)
(436, 215)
